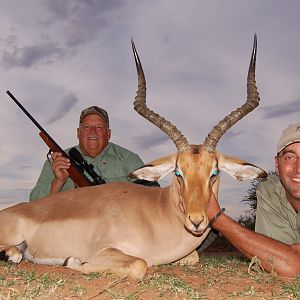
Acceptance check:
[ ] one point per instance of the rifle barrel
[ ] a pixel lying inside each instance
(75, 173)
(25, 111)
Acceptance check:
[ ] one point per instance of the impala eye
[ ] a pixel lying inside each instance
(177, 173)
(215, 173)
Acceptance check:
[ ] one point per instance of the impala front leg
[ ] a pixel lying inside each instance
(190, 259)
(112, 260)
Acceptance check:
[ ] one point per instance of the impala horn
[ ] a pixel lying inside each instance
(252, 102)
(140, 106)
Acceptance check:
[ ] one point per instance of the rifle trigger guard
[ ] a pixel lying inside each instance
(49, 155)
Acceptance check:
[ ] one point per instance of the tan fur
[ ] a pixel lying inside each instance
(121, 227)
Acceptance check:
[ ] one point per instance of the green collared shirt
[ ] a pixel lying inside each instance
(114, 163)
(275, 217)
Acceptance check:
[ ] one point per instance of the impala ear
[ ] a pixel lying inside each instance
(239, 169)
(156, 169)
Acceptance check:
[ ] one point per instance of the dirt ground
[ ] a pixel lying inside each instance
(220, 274)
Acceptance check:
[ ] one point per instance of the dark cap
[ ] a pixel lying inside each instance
(95, 110)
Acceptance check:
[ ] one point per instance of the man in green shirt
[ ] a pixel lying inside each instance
(110, 161)
(275, 215)
(278, 198)
(276, 244)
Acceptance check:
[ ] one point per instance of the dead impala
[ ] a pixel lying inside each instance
(124, 227)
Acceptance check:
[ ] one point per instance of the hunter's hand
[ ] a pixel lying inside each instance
(213, 207)
(60, 166)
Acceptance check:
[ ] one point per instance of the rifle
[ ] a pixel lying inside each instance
(76, 170)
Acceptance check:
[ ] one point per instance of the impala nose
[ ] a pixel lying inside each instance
(196, 222)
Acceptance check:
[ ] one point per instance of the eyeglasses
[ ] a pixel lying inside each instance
(288, 158)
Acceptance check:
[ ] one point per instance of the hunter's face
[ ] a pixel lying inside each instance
(288, 169)
(93, 135)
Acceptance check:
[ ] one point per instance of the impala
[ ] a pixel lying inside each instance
(125, 227)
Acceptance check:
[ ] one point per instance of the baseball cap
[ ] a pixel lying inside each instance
(289, 136)
(95, 110)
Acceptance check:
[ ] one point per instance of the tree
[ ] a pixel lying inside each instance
(248, 220)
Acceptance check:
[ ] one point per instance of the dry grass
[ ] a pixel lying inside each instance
(214, 277)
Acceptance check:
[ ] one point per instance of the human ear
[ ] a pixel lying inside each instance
(276, 165)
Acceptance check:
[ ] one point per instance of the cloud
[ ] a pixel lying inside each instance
(28, 56)
(151, 140)
(195, 58)
(279, 110)
(65, 105)
(232, 134)
(10, 197)
(22, 168)
(82, 20)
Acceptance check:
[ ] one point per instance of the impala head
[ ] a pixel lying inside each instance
(196, 167)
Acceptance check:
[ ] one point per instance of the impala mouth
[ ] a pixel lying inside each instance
(196, 232)
(196, 228)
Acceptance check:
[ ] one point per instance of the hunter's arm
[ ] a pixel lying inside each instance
(274, 256)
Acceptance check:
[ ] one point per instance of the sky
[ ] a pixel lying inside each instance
(58, 57)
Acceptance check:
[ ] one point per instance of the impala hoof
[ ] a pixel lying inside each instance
(16, 258)
(11, 254)
(72, 262)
